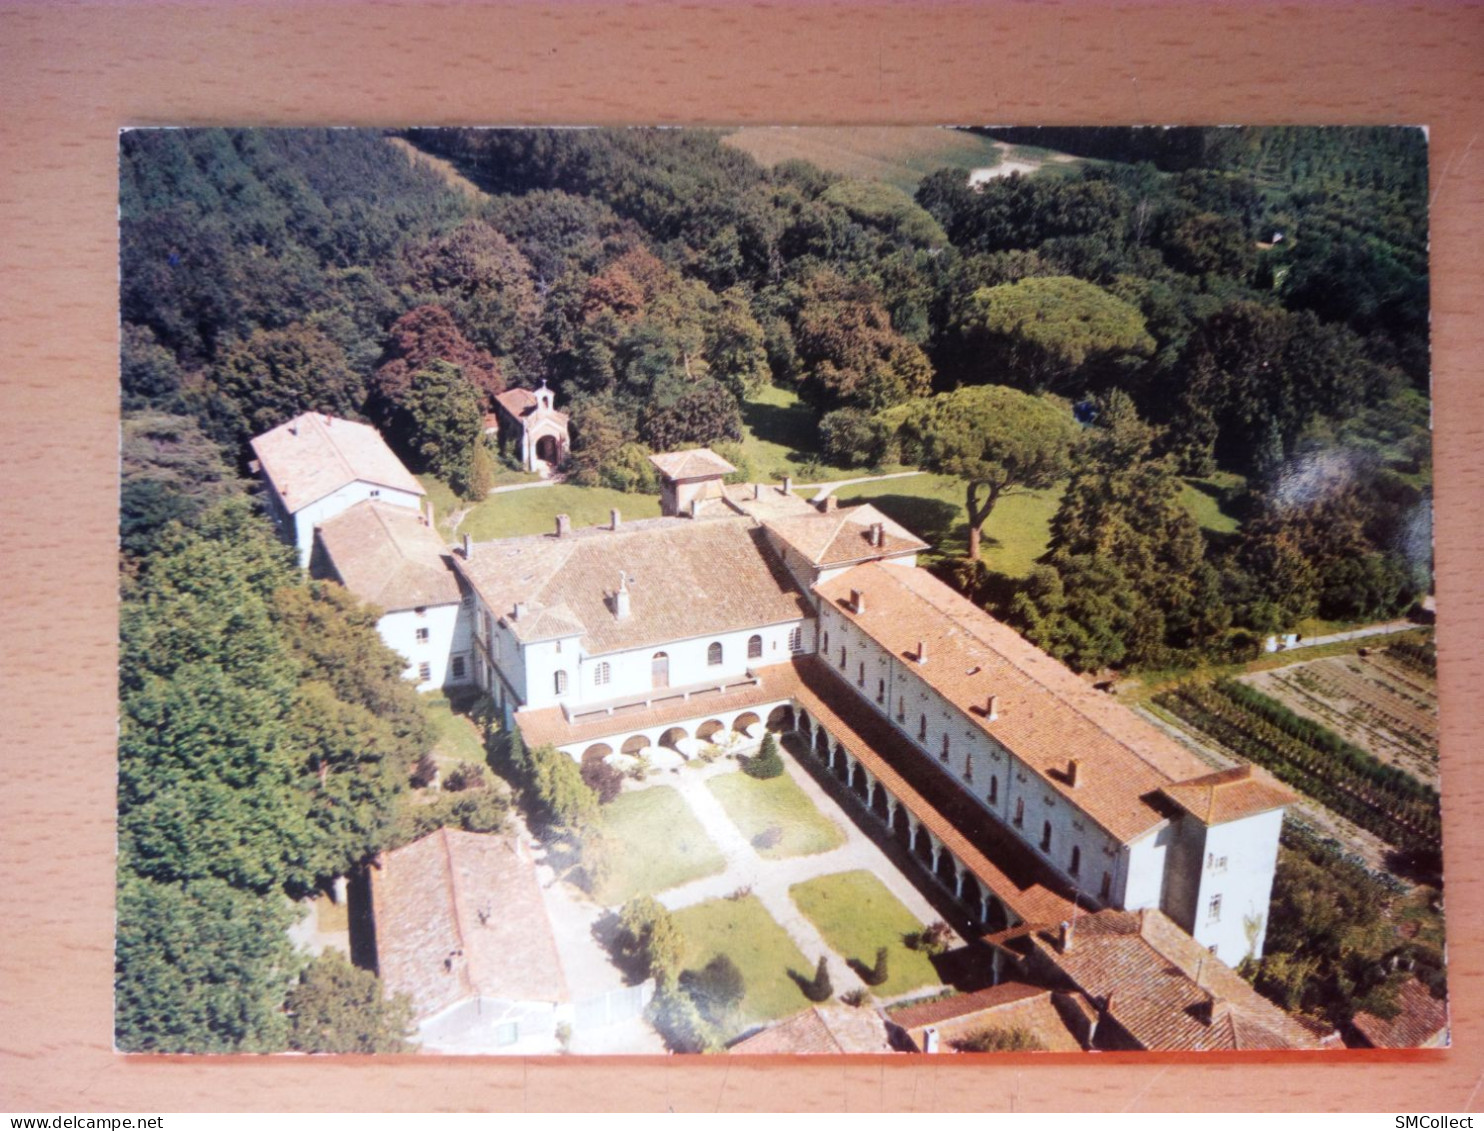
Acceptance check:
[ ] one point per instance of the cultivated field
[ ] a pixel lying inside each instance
(1387, 708)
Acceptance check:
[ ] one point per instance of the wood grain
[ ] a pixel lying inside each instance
(70, 77)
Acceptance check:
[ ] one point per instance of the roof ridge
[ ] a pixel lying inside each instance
(324, 432)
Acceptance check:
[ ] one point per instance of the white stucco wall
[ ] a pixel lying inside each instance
(322, 510)
(439, 622)
(1238, 865)
(1144, 870)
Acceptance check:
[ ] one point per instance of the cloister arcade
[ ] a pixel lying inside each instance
(742, 730)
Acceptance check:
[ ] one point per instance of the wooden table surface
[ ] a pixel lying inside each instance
(71, 76)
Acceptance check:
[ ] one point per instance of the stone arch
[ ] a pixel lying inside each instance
(548, 449)
(745, 720)
(710, 729)
(946, 868)
(673, 736)
(972, 892)
(844, 765)
(998, 919)
(636, 744)
(878, 803)
(901, 824)
(596, 752)
(822, 743)
(925, 848)
(781, 719)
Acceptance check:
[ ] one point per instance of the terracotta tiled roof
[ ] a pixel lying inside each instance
(686, 579)
(998, 860)
(1421, 1020)
(1010, 1005)
(697, 463)
(763, 501)
(314, 455)
(460, 915)
(387, 556)
(1046, 716)
(1161, 986)
(1229, 795)
(521, 403)
(827, 1029)
(833, 538)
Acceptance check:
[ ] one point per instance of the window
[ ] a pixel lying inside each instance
(1212, 948)
(1106, 890)
(458, 667)
(1215, 863)
(601, 673)
(901, 711)
(713, 654)
(1076, 860)
(826, 640)
(943, 757)
(1045, 836)
(1019, 812)
(842, 657)
(860, 679)
(422, 636)
(796, 640)
(375, 492)
(1213, 909)
(922, 728)
(968, 769)
(994, 789)
(424, 672)
(560, 682)
(754, 647)
(421, 610)
(881, 691)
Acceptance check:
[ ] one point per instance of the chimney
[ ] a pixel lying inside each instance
(828, 504)
(613, 518)
(563, 525)
(930, 1039)
(621, 599)
(757, 491)
(878, 534)
(991, 708)
(520, 611)
(1065, 936)
(1073, 769)
(694, 507)
(858, 601)
(921, 652)
(468, 548)
(788, 484)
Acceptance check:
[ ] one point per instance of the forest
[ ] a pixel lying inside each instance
(1243, 311)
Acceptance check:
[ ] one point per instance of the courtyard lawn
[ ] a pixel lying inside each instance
(932, 507)
(755, 806)
(743, 930)
(658, 844)
(458, 740)
(534, 511)
(856, 914)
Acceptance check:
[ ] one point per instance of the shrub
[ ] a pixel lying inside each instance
(741, 893)
(602, 779)
(935, 938)
(648, 938)
(1000, 1040)
(680, 1023)
(821, 988)
(876, 975)
(766, 763)
(716, 988)
(425, 773)
(466, 775)
(856, 997)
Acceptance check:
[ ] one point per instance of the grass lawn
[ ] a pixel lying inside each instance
(779, 437)
(534, 512)
(932, 507)
(856, 914)
(659, 842)
(743, 930)
(458, 741)
(1205, 498)
(755, 805)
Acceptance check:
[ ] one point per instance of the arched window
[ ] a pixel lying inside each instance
(1045, 836)
(842, 657)
(994, 789)
(922, 727)
(826, 640)
(713, 653)
(1076, 860)
(560, 680)
(601, 673)
(754, 647)
(860, 679)
(1019, 811)
(881, 691)
(943, 757)
(968, 769)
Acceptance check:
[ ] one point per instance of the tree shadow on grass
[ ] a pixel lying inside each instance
(792, 426)
(940, 524)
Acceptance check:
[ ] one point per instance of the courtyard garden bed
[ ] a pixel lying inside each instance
(856, 914)
(656, 843)
(775, 815)
(743, 930)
